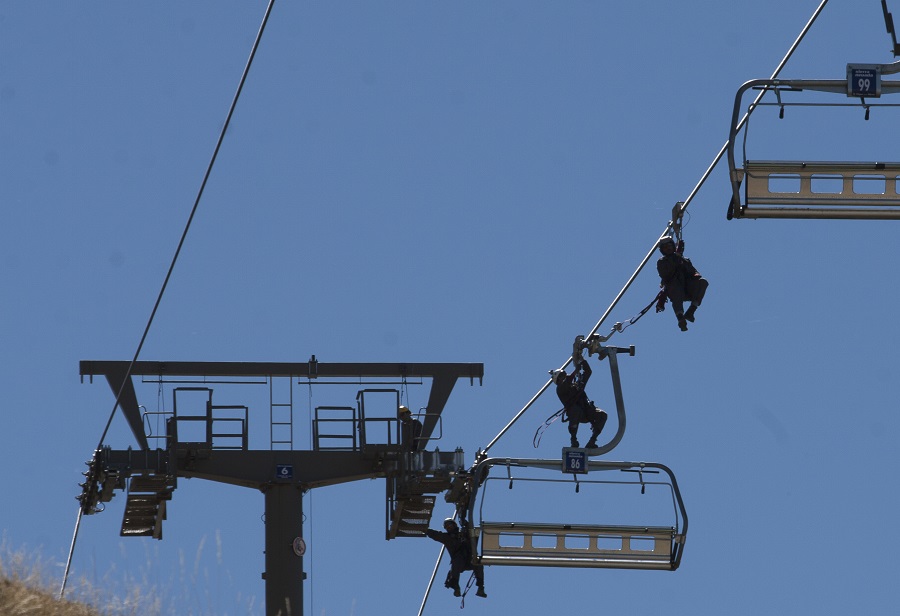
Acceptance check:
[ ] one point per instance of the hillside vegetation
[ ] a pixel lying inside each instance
(27, 589)
(18, 599)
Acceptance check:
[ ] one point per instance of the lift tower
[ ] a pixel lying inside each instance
(347, 445)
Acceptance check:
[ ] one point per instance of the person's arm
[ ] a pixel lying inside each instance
(435, 534)
(586, 372)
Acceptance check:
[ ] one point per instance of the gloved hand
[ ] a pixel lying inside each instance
(660, 302)
(577, 349)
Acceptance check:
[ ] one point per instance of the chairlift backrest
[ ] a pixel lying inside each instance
(579, 545)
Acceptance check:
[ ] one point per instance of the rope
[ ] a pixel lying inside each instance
(621, 327)
(462, 601)
(165, 284)
(536, 441)
(668, 228)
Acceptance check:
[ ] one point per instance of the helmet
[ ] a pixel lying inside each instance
(403, 410)
(668, 239)
(450, 522)
(557, 375)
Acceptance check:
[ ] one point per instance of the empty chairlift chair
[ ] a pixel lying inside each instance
(597, 543)
(807, 188)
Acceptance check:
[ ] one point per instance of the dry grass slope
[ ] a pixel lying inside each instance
(28, 589)
(18, 599)
(29, 586)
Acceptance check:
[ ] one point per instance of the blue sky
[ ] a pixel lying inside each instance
(469, 182)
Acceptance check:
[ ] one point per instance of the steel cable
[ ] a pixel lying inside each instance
(640, 267)
(165, 283)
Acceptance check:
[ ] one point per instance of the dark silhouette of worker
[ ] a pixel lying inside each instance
(680, 282)
(410, 430)
(578, 409)
(460, 550)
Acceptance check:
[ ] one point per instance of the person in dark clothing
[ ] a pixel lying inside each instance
(460, 550)
(578, 409)
(410, 430)
(679, 281)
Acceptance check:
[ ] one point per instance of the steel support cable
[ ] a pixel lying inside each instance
(646, 258)
(431, 581)
(668, 228)
(165, 283)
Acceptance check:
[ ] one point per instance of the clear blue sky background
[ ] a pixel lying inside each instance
(466, 181)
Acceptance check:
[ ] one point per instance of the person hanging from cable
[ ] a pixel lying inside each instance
(459, 548)
(577, 408)
(679, 281)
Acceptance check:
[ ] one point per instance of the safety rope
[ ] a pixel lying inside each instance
(536, 441)
(165, 284)
(620, 327)
(462, 600)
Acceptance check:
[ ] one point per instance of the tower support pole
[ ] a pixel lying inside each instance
(285, 548)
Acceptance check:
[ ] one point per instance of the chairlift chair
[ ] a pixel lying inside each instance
(590, 545)
(815, 189)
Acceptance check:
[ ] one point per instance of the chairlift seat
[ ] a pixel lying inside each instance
(588, 545)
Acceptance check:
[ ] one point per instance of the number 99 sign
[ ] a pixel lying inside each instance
(863, 81)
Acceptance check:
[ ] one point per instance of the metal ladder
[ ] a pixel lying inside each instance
(277, 411)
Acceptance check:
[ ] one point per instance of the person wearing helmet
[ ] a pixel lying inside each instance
(679, 282)
(578, 409)
(410, 430)
(456, 542)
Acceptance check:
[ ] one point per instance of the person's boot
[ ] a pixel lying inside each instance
(689, 314)
(592, 444)
(456, 591)
(480, 592)
(574, 442)
(682, 323)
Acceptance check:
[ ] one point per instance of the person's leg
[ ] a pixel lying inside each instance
(573, 432)
(479, 580)
(689, 313)
(598, 420)
(698, 290)
(678, 308)
(453, 580)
